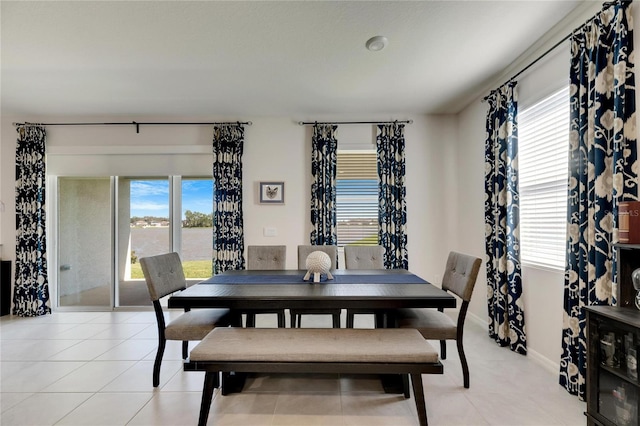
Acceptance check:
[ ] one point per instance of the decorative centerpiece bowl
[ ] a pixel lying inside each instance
(318, 263)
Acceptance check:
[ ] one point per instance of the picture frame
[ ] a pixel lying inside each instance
(271, 192)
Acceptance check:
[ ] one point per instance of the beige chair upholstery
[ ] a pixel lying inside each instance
(164, 275)
(459, 278)
(364, 257)
(266, 258)
(303, 252)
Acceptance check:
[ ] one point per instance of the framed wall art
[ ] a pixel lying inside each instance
(272, 192)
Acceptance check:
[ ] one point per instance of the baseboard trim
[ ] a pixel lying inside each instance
(537, 357)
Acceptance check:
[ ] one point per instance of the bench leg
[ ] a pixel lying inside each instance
(418, 395)
(210, 382)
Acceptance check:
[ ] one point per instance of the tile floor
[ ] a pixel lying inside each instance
(94, 368)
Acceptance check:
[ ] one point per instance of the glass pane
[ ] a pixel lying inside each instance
(84, 237)
(143, 230)
(197, 227)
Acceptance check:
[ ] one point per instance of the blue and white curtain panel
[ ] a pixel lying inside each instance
(392, 194)
(228, 226)
(602, 172)
(324, 148)
(31, 290)
(502, 218)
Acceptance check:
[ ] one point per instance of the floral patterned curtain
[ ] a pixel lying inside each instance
(392, 194)
(228, 228)
(502, 218)
(324, 147)
(602, 172)
(31, 291)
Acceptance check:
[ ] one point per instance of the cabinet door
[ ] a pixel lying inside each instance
(613, 389)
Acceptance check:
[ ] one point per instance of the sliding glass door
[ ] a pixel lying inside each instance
(105, 225)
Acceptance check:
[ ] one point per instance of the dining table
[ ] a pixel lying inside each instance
(381, 291)
(385, 289)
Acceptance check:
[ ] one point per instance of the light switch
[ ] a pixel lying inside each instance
(270, 231)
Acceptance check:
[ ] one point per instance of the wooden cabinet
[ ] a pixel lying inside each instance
(5, 287)
(613, 388)
(628, 260)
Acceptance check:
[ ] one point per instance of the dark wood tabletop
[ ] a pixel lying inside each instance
(374, 289)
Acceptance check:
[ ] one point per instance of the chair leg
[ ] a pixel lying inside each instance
(336, 321)
(380, 318)
(185, 349)
(350, 320)
(463, 361)
(224, 383)
(210, 382)
(405, 386)
(156, 365)
(293, 320)
(235, 319)
(418, 395)
(251, 319)
(281, 320)
(443, 349)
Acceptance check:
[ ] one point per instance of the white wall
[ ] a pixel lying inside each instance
(276, 148)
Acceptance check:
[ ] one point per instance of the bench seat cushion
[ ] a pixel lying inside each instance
(314, 345)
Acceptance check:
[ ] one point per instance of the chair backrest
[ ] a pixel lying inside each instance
(460, 274)
(266, 257)
(164, 274)
(306, 250)
(364, 257)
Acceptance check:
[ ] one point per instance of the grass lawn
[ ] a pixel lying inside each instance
(192, 269)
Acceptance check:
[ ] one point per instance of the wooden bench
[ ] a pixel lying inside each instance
(309, 350)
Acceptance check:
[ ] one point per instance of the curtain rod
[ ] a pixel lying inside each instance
(605, 6)
(306, 123)
(135, 123)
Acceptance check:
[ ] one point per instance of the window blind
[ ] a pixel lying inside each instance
(357, 198)
(543, 144)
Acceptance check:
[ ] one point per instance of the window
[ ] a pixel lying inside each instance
(357, 197)
(543, 144)
(197, 227)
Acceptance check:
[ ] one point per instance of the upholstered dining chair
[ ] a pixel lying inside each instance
(363, 257)
(164, 275)
(459, 278)
(303, 252)
(266, 258)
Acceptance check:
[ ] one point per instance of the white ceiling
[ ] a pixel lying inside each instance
(239, 59)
